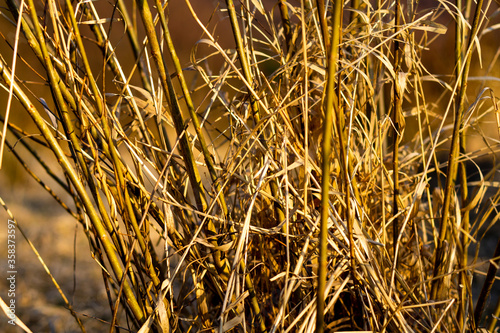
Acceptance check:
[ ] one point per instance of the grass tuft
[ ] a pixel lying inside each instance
(286, 173)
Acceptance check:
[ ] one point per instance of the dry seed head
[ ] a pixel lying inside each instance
(169, 220)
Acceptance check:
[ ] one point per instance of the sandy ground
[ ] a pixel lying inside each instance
(64, 248)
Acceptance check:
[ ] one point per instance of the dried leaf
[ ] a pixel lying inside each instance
(147, 325)
(169, 220)
(259, 6)
(232, 323)
(52, 117)
(431, 26)
(161, 311)
(408, 57)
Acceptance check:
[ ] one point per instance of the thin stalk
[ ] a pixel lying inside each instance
(464, 280)
(285, 20)
(247, 74)
(240, 48)
(439, 262)
(199, 192)
(123, 195)
(40, 181)
(9, 99)
(253, 101)
(354, 15)
(488, 284)
(80, 189)
(194, 117)
(192, 170)
(305, 111)
(112, 61)
(396, 115)
(323, 24)
(332, 107)
(494, 317)
(55, 85)
(136, 47)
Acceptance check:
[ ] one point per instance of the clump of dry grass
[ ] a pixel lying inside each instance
(217, 204)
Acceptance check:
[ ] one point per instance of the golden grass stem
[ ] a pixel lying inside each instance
(323, 23)
(241, 49)
(112, 61)
(494, 317)
(147, 19)
(123, 194)
(9, 99)
(288, 223)
(40, 181)
(136, 47)
(453, 158)
(194, 117)
(287, 28)
(331, 109)
(75, 179)
(245, 65)
(353, 14)
(397, 121)
(464, 278)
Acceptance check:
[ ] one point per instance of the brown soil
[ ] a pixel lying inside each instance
(64, 248)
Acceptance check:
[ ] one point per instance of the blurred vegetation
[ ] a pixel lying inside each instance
(303, 166)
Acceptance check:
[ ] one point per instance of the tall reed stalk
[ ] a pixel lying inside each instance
(283, 174)
(440, 260)
(333, 114)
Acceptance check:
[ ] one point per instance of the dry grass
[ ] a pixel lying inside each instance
(64, 248)
(212, 201)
